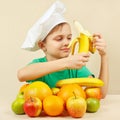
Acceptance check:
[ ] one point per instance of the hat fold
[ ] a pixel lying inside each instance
(39, 30)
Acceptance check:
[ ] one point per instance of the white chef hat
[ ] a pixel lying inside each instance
(52, 17)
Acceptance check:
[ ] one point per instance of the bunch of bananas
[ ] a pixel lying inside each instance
(88, 82)
(84, 40)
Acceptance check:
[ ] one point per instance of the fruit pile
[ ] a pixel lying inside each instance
(37, 98)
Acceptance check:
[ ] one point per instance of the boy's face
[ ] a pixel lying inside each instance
(56, 43)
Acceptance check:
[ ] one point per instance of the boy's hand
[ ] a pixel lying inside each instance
(99, 44)
(77, 61)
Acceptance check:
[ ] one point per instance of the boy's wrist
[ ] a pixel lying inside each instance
(104, 58)
(63, 63)
(104, 55)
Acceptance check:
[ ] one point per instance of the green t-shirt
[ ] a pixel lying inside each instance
(52, 78)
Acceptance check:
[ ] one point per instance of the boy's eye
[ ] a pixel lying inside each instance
(59, 38)
(69, 38)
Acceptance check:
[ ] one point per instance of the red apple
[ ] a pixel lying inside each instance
(93, 92)
(76, 106)
(33, 106)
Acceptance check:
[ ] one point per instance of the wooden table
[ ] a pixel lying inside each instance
(109, 110)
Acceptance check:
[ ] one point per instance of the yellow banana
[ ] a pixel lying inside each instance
(72, 45)
(84, 40)
(55, 90)
(83, 43)
(92, 82)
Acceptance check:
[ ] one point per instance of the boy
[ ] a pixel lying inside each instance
(53, 35)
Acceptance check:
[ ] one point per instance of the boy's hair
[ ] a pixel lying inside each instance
(59, 26)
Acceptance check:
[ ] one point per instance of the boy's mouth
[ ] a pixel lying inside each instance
(65, 49)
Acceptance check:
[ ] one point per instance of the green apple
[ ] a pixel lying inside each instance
(17, 106)
(93, 104)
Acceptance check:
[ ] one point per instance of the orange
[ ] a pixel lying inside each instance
(22, 88)
(37, 89)
(69, 90)
(53, 105)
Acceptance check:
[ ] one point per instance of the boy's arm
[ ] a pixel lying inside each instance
(34, 71)
(104, 74)
(37, 70)
(100, 45)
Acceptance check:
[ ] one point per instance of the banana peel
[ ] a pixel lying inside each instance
(84, 40)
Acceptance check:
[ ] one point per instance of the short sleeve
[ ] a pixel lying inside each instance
(84, 72)
(37, 60)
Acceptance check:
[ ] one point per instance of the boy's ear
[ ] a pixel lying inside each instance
(41, 45)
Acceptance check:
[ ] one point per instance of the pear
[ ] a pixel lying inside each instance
(17, 104)
(20, 95)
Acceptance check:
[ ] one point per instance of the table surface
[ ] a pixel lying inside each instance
(109, 110)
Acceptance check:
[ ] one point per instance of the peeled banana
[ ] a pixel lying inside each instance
(84, 40)
(92, 82)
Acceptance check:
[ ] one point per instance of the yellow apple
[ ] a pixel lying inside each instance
(76, 106)
(93, 92)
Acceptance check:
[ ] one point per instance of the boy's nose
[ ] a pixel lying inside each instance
(66, 42)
